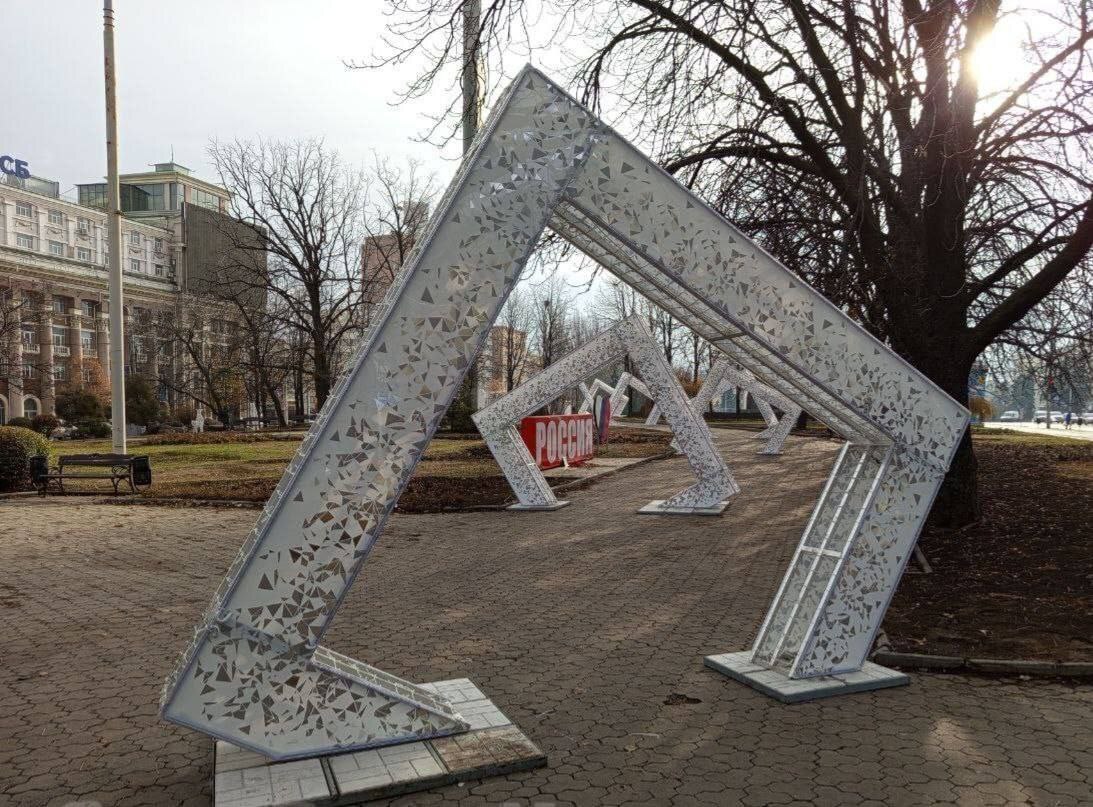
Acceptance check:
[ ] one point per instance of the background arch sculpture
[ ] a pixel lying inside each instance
(616, 395)
(722, 377)
(630, 337)
(256, 674)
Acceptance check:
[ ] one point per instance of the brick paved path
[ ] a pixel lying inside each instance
(582, 625)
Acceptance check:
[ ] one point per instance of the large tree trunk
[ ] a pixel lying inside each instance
(957, 502)
(323, 382)
(927, 325)
(275, 398)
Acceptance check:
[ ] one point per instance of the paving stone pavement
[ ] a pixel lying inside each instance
(586, 626)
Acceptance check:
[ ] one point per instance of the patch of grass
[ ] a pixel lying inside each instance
(456, 471)
(981, 435)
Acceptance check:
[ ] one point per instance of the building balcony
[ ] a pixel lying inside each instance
(31, 348)
(62, 350)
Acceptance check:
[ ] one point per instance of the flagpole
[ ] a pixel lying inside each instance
(114, 245)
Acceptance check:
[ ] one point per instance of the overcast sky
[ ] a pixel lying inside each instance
(201, 69)
(191, 71)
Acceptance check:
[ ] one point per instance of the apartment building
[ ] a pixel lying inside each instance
(54, 279)
(506, 362)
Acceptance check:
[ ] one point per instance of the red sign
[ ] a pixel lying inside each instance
(551, 437)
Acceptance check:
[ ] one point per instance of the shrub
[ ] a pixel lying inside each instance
(17, 446)
(23, 423)
(95, 428)
(981, 407)
(79, 405)
(141, 405)
(45, 424)
(184, 414)
(458, 416)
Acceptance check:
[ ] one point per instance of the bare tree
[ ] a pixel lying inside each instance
(19, 311)
(552, 303)
(395, 217)
(664, 327)
(699, 350)
(309, 208)
(1052, 348)
(201, 353)
(515, 320)
(615, 301)
(266, 356)
(854, 137)
(10, 334)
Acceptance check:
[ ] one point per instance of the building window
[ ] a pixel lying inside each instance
(60, 372)
(59, 304)
(89, 307)
(143, 198)
(83, 226)
(205, 199)
(85, 373)
(56, 217)
(159, 270)
(30, 405)
(24, 209)
(134, 239)
(24, 241)
(135, 265)
(87, 341)
(57, 248)
(159, 245)
(29, 372)
(83, 254)
(27, 336)
(93, 195)
(60, 336)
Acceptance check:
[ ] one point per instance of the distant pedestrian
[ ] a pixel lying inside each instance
(1067, 419)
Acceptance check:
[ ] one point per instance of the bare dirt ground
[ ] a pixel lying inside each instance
(1018, 584)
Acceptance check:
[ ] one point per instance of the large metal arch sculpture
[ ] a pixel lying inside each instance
(629, 337)
(256, 674)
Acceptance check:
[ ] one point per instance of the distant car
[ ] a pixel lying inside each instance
(1010, 416)
(1041, 416)
(1085, 419)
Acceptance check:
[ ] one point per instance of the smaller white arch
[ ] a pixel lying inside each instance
(630, 337)
(3, 409)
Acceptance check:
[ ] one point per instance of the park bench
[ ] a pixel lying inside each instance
(133, 470)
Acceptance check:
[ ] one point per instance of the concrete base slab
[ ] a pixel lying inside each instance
(538, 508)
(492, 747)
(778, 685)
(657, 508)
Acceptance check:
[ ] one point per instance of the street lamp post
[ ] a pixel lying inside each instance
(114, 245)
